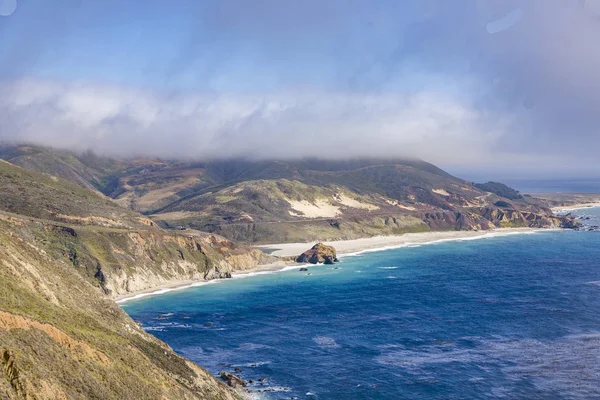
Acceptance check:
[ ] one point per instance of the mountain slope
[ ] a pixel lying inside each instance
(60, 339)
(47, 197)
(305, 201)
(84, 169)
(65, 251)
(315, 199)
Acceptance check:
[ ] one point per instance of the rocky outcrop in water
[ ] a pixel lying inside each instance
(319, 254)
(233, 380)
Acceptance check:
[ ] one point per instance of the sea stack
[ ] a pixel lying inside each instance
(319, 254)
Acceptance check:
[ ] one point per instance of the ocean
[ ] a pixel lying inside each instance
(507, 317)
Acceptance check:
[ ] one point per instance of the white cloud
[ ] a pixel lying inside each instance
(121, 121)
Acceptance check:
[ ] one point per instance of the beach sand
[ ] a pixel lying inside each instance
(383, 242)
(172, 286)
(343, 247)
(575, 207)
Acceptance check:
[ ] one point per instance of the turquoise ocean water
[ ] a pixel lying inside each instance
(513, 317)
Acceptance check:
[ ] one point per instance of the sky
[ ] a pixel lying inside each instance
(492, 87)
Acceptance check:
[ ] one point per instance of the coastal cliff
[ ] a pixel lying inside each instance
(65, 252)
(122, 262)
(61, 338)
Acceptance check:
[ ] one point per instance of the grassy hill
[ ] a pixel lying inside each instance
(65, 253)
(309, 199)
(61, 339)
(84, 169)
(47, 197)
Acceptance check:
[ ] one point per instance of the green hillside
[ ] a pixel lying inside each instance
(47, 197)
(65, 253)
(61, 339)
(308, 199)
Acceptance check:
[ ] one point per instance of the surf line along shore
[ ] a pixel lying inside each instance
(345, 248)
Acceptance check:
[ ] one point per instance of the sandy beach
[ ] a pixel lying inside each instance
(575, 207)
(376, 243)
(172, 286)
(343, 247)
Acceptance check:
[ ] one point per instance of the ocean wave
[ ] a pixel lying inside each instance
(486, 235)
(325, 342)
(154, 328)
(167, 290)
(255, 364)
(566, 365)
(276, 389)
(253, 346)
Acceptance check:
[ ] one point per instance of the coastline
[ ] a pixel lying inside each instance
(173, 286)
(378, 243)
(345, 248)
(574, 207)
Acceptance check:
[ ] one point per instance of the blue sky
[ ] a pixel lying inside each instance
(468, 84)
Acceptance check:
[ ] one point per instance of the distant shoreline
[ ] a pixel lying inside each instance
(345, 248)
(574, 207)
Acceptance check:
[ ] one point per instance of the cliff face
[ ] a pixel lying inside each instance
(134, 261)
(60, 338)
(123, 261)
(63, 249)
(517, 219)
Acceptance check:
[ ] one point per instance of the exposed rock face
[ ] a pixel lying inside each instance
(233, 380)
(570, 222)
(61, 338)
(515, 219)
(121, 262)
(318, 254)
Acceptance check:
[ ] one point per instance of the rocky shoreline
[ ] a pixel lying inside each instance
(288, 255)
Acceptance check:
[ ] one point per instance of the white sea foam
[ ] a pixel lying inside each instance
(565, 210)
(167, 290)
(253, 346)
(154, 328)
(325, 342)
(486, 235)
(568, 364)
(255, 364)
(277, 389)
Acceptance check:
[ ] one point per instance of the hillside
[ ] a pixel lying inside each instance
(65, 253)
(115, 248)
(86, 169)
(43, 196)
(303, 200)
(61, 339)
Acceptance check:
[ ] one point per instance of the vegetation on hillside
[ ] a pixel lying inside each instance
(60, 339)
(276, 200)
(44, 196)
(499, 189)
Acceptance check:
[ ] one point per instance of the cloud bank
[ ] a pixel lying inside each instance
(113, 120)
(466, 84)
